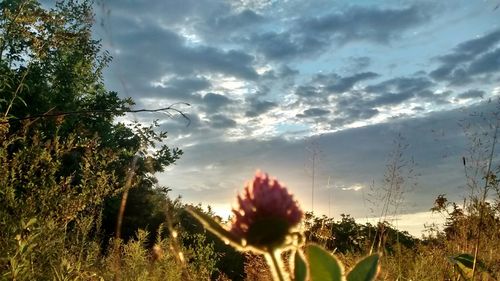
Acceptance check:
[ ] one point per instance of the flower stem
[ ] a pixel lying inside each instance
(273, 259)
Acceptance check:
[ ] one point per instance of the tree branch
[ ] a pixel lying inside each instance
(90, 111)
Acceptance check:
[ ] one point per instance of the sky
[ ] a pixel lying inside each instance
(301, 88)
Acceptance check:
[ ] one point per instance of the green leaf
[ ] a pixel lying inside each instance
(299, 267)
(322, 265)
(466, 260)
(216, 228)
(22, 100)
(464, 264)
(365, 270)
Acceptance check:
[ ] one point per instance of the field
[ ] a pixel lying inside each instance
(80, 198)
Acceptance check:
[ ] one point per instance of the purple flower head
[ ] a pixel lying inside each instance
(265, 213)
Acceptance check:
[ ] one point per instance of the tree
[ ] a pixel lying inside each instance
(49, 63)
(57, 171)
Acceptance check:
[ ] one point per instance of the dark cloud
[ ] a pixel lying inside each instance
(487, 63)
(346, 83)
(469, 60)
(278, 74)
(285, 45)
(356, 64)
(352, 113)
(231, 22)
(442, 73)
(448, 73)
(206, 130)
(307, 91)
(214, 102)
(471, 94)
(314, 112)
(210, 59)
(355, 156)
(310, 95)
(147, 52)
(390, 99)
(189, 46)
(401, 84)
(308, 36)
(469, 49)
(362, 23)
(398, 90)
(321, 86)
(257, 107)
(168, 12)
(220, 121)
(182, 89)
(286, 71)
(364, 104)
(351, 105)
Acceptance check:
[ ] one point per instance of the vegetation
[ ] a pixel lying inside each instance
(70, 173)
(64, 160)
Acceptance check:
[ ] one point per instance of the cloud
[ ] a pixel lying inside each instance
(486, 63)
(318, 90)
(314, 112)
(219, 121)
(346, 83)
(308, 36)
(145, 52)
(469, 59)
(286, 71)
(349, 114)
(285, 45)
(225, 24)
(471, 48)
(471, 94)
(356, 64)
(214, 102)
(350, 157)
(257, 107)
(308, 91)
(398, 90)
(180, 88)
(366, 23)
(351, 104)
(401, 84)
(169, 12)
(250, 69)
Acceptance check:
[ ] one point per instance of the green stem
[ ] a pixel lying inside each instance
(274, 262)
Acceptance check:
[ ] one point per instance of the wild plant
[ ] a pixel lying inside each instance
(266, 222)
(472, 228)
(46, 212)
(481, 131)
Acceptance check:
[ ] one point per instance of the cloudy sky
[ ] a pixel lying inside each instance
(283, 85)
